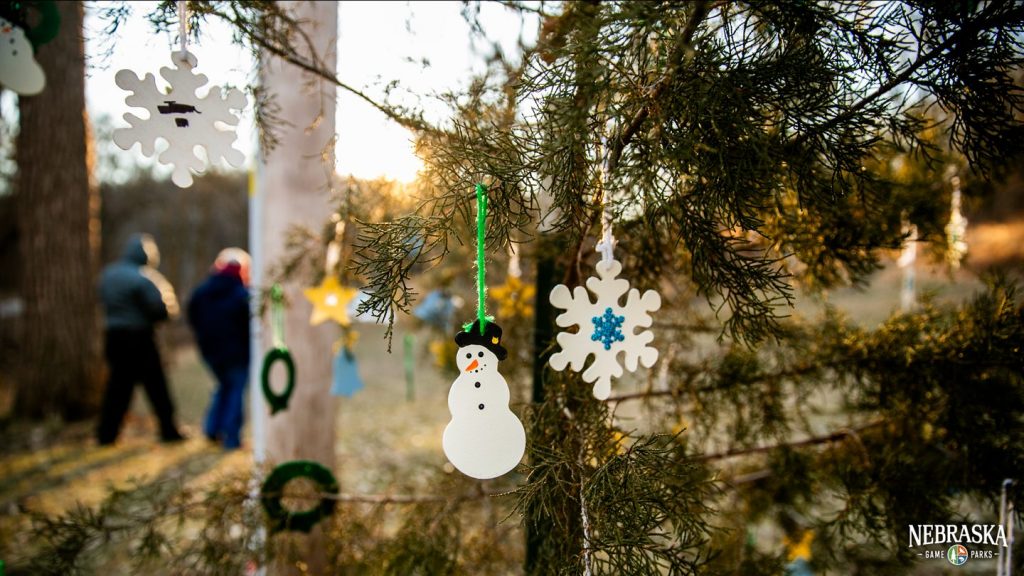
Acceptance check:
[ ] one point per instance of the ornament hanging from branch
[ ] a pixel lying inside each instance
(908, 262)
(180, 117)
(484, 438)
(956, 229)
(346, 380)
(514, 297)
(19, 70)
(278, 353)
(606, 326)
(330, 301)
(333, 301)
(272, 492)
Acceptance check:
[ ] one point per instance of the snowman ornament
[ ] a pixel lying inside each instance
(19, 70)
(484, 439)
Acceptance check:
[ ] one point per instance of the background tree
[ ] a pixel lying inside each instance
(58, 236)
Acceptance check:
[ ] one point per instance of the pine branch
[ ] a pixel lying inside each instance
(971, 28)
(683, 47)
(693, 371)
(520, 7)
(813, 441)
(309, 64)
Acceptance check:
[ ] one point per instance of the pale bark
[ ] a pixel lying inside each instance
(293, 188)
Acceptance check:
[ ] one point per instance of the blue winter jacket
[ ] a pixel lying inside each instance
(132, 299)
(219, 314)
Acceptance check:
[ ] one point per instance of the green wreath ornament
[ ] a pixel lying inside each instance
(46, 20)
(273, 486)
(277, 401)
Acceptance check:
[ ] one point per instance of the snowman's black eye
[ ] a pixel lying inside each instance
(481, 354)
(469, 354)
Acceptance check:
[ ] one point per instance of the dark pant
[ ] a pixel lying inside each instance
(224, 418)
(132, 357)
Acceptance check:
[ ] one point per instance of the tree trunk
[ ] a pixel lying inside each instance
(543, 334)
(293, 189)
(58, 238)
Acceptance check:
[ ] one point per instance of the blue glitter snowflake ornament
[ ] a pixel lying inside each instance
(607, 328)
(619, 339)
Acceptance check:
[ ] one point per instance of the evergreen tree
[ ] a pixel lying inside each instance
(745, 149)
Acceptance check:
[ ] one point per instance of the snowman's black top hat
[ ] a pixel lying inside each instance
(490, 339)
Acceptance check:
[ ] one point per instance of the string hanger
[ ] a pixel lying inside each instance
(183, 26)
(333, 257)
(605, 246)
(336, 246)
(515, 269)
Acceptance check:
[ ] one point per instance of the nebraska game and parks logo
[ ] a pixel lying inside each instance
(957, 555)
(958, 543)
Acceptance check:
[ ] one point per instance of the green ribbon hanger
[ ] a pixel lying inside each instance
(481, 264)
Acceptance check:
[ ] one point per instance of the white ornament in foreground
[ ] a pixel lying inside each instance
(484, 439)
(606, 328)
(19, 70)
(182, 119)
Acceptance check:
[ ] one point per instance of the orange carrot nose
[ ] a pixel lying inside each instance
(472, 365)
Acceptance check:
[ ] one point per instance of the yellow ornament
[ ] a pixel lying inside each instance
(348, 340)
(443, 352)
(330, 301)
(799, 549)
(514, 298)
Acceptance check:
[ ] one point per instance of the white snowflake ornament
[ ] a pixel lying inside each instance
(606, 328)
(181, 118)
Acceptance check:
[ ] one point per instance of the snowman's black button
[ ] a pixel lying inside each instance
(477, 384)
(481, 406)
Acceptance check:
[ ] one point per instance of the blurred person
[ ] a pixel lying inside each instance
(218, 312)
(135, 299)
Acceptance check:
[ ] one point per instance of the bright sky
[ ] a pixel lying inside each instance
(378, 42)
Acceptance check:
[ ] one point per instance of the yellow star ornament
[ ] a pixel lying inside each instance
(514, 298)
(330, 301)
